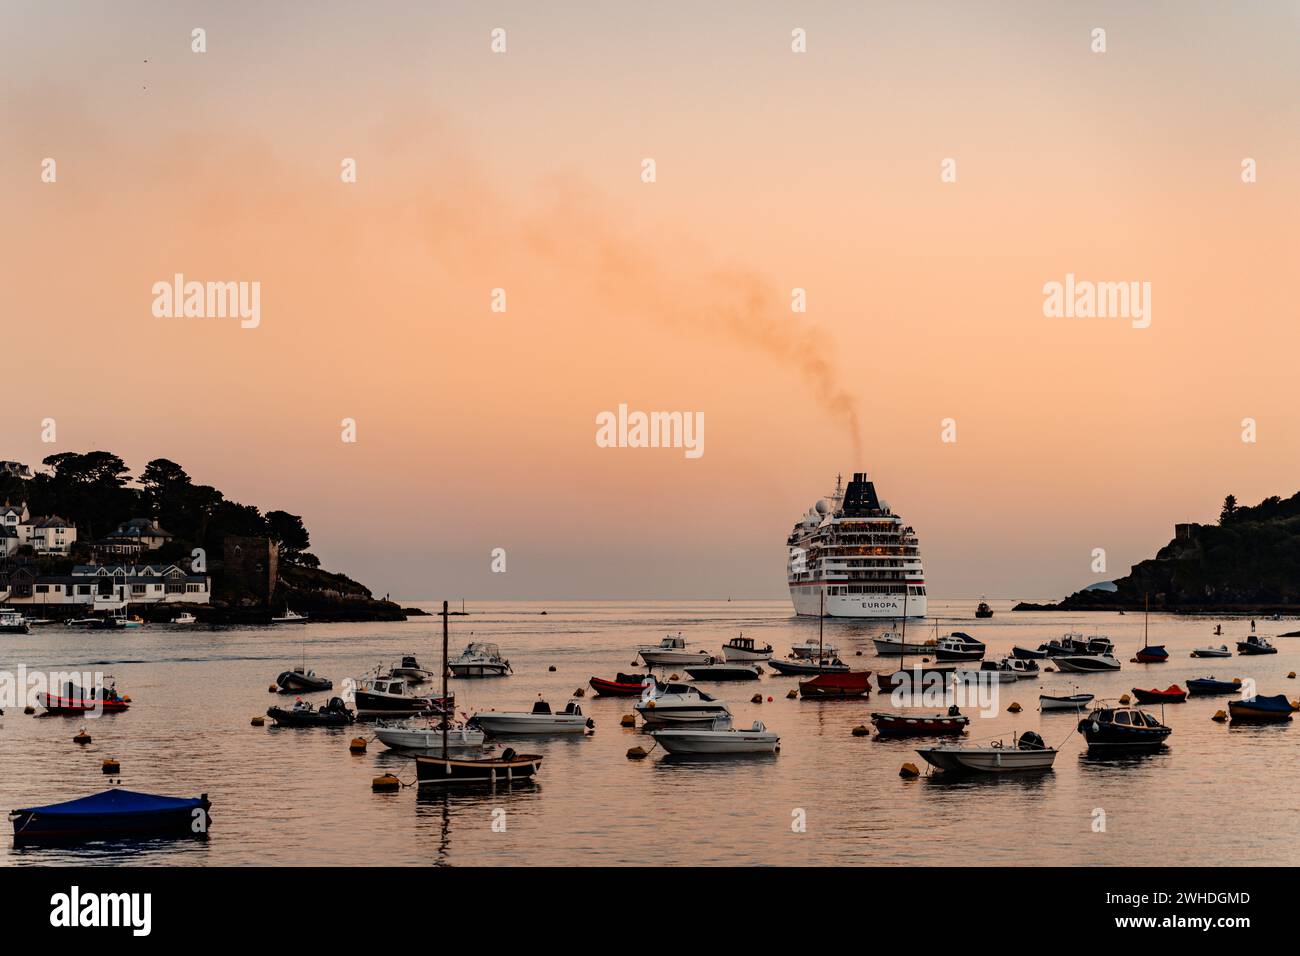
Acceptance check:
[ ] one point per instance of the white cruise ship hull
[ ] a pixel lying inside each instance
(807, 603)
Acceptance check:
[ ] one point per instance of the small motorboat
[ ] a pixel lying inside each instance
(1086, 663)
(810, 650)
(432, 770)
(744, 648)
(959, 647)
(1029, 752)
(1220, 651)
(790, 665)
(113, 814)
(1260, 709)
(670, 651)
(680, 704)
(1075, 702)
(1024, 669)
(1173, 694)
(721, 738)
(186, 618)
(539, 720)
(850, 684)
(919, 677)
(382, 694)
(894, 645)
(300, 680)
(289, 617)
(410, 669)
(1025, 654)
(13, 622)
(74, 701)
(1152, 654)
(334, 713)
(425, 736)
(720, 670)
(1254, 645)
(989, 672)
(983, 610)
(1198, 686)
(623, 685)
(953, 723)
(1073, 642)
(480, 659)
(1122, 730)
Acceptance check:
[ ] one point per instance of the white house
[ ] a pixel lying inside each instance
(11, 516)
(105, 587)
(47, 534)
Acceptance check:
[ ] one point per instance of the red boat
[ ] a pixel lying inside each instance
(624, 685)
(76, 701)
(852, 684)
(952, 723)
(1173, 694)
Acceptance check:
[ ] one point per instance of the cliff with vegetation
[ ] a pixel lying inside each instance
(96, 492)
(1248, 562)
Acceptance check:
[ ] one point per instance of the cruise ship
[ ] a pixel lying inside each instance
(851, 549)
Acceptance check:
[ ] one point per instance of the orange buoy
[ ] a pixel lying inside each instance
(1219, 717)
(579, 693)
(861, 730)
(1014, 708)
(551, 668)
(358, 745)
(908, 771)
(629, 720)
(385, 784)
(111, 766)
(82, 737)
(272, 689)
(637, 753)
(756, 699)
(791, 694)
(1124, 699)
(258, 721)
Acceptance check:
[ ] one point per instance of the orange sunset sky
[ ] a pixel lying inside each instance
(522, 170)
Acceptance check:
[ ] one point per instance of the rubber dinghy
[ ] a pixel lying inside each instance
(113, 814)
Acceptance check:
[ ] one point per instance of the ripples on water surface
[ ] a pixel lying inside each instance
(289, 796)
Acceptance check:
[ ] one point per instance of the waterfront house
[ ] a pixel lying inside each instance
(134, 536)
(47, 534)
(108, 587)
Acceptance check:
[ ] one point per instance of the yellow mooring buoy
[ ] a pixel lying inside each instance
(272, 689)
(629, 720)
(1014, 708)
(756, 699)
(1219, 717)
(1124, 699)
(385, 784)
(637, 753)
(82, 737)
(791, 694)
(258, 721)
(358, 745)
(1291, 676)
(908, 771)
(579, 693)
(861, 730)
(112, 766)
(551, 668)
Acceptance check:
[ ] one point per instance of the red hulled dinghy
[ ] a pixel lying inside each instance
(1173, 694)
(76, 702)
(852, 684)
(623, 685)
(952, 723)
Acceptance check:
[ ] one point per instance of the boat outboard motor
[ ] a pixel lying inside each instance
(1030, 741)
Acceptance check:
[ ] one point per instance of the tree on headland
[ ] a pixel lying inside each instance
(1229, 509)
(289, 533)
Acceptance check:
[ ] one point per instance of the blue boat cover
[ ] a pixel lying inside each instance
(118, 801)
(1277, 704)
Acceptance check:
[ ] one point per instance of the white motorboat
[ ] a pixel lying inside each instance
(808, 665)
(811, 649)
(289, 617)
(410, 669)
(679, 704)
(540, 720)
(743, 650)
(13, 622)
(992, 672)
(186, 618)
(426, 735)
(1085, 663)
(892, 644)
(671, 650)
(958, 646)
(385, 694)
(1076, 702)
(720, 738)
(480, 659)
(1027, 753)
(1220, 651)
(1024, 670)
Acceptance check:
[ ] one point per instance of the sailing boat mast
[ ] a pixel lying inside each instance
(821, 627)
(1146, 615)
(445, 721)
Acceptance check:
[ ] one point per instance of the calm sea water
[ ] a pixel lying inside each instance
(292, 796)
